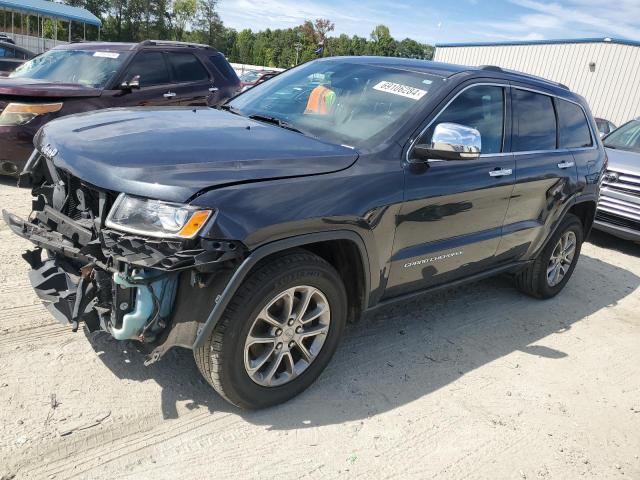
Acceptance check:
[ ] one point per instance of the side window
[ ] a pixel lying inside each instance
(480, 107)
(574, 129)
(222, 66)
(187, 68)
(7, 52)
(151, 67)
(534, 122)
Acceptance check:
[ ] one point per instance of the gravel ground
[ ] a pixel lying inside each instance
(475, 382)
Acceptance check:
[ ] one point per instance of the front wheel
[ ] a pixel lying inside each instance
(553, 267)
(278, 333)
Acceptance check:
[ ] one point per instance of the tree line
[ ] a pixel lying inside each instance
(198, 21)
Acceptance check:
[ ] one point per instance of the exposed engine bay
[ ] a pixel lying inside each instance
(153, 290)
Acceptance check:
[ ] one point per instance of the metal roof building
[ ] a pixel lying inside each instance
(605, 71)
(24, 20)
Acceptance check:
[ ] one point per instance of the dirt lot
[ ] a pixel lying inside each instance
(478, 382)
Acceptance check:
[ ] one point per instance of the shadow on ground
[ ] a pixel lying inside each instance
(604, 240)
(402, 352)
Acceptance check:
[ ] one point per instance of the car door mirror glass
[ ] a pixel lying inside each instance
(450, 141)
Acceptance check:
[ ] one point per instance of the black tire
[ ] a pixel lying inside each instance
(221, 358)
(533, 279)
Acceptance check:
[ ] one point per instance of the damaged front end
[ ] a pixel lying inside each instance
(134, 286)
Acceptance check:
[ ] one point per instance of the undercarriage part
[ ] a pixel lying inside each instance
(154, 296)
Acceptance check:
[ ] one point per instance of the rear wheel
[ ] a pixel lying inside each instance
(278, 333)
(553, 267)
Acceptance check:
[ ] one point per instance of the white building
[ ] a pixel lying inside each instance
(605, 71)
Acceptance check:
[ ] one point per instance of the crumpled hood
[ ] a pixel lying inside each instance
(624, 160)
(174, 153)
(29, 87)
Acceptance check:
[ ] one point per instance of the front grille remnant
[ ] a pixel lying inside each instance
(622, 182)
(619, 203)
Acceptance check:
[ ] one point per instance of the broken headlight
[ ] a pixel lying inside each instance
(155, 218)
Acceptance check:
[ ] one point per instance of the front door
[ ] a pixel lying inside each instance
(450, 224)
(156, 88)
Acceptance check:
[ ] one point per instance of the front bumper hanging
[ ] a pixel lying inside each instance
(150, 290)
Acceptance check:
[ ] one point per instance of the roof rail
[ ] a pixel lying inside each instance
(495, 68)
(177, 44)
(540, 79)
(491, 68)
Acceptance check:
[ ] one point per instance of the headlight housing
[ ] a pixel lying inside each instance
(155, 218)
(22, 113)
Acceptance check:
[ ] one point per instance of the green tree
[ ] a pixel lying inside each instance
(383, 42)
(183, 12)
(209, 23)
(243, 49)
(198, 21)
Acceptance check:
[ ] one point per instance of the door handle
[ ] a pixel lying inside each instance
(502, 172)
(213, 89)
(169, 95)
(566, 164)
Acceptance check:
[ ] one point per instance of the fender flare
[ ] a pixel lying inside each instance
(583, 198)
(222, 301)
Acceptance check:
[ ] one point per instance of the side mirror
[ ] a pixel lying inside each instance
(133, 84)
(450, 141)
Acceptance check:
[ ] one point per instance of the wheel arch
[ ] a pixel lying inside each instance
(585, 210)
(337, 247)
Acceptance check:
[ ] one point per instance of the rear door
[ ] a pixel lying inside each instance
(545, 173)
(451, 221)
(156, 88)
(193, 84)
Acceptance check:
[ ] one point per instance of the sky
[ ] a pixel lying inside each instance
(451, 21)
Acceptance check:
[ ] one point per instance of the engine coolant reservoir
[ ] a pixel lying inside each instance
(144, 310)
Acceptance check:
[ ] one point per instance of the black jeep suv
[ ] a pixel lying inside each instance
(252, 233)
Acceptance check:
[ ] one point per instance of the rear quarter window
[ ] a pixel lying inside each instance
(534, 122)
(574, 129)
(223, 67)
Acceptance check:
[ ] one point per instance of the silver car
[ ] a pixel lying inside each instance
(618, 210)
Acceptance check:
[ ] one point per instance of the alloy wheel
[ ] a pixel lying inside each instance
(287, 336)
(561, 258)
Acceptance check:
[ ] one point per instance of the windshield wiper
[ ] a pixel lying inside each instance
(276, 121)
(230, 109)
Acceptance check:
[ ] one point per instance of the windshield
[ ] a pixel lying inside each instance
(85, 67)
(250, 76)
(627, 137)
(339, 101)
